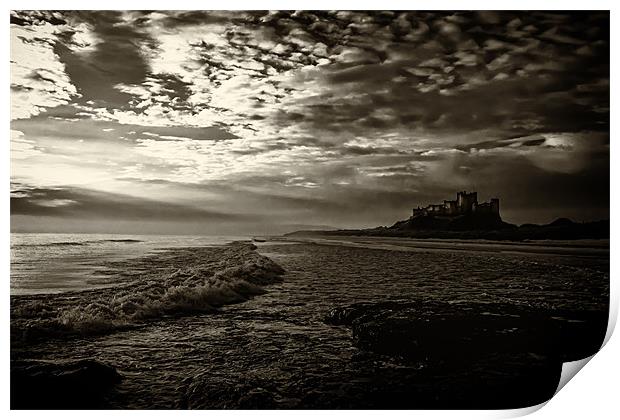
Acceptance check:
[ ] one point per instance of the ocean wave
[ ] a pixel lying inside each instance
(75, 243)
(178, 282)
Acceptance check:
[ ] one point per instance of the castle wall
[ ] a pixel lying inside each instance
(491, 207)
(483, 208)
(465, 203)
(450, 207)
(495, 205)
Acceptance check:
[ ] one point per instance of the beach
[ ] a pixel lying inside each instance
(315, 323)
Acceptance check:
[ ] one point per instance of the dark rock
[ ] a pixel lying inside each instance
(472, 227)
(562, 221)
(467, 354)
(343, 316)
(79, 384)
(432, 330)
(465, 222)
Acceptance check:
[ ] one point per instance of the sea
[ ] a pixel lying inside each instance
(221, 322)
(60, 262)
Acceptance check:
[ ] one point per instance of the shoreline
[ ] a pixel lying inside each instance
(578, 247)
(175, 282)
(346, 325)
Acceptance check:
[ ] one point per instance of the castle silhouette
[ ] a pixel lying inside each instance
(465, 203)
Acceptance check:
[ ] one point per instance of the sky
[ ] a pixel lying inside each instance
(220, 122)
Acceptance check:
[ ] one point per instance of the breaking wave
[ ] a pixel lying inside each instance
(178, 282)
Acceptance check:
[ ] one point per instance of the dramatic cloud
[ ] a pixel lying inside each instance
(341, 118)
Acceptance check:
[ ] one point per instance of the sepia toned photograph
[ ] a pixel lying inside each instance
(306, 210)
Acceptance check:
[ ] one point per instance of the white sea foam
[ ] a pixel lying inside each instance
(58, 263)
(192, 280)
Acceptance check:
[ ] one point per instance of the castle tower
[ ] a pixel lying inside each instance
(466, 202)
(495, 206)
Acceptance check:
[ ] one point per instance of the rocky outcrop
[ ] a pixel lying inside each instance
(426, 330)
(473, 227)
(78, 384)
(473, 355)
(467, 222)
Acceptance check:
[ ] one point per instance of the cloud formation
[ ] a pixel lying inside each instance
(357, 115)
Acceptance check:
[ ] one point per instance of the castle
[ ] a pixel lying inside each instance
(465, 203)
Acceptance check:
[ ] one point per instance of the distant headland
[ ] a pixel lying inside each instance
(466, 218)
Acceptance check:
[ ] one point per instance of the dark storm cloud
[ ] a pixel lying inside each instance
(32, 17)
(369, 150)
(72, 123)
(464, 72)
(529, 141)
(90, 204)
(530, 193)
(115, 59)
